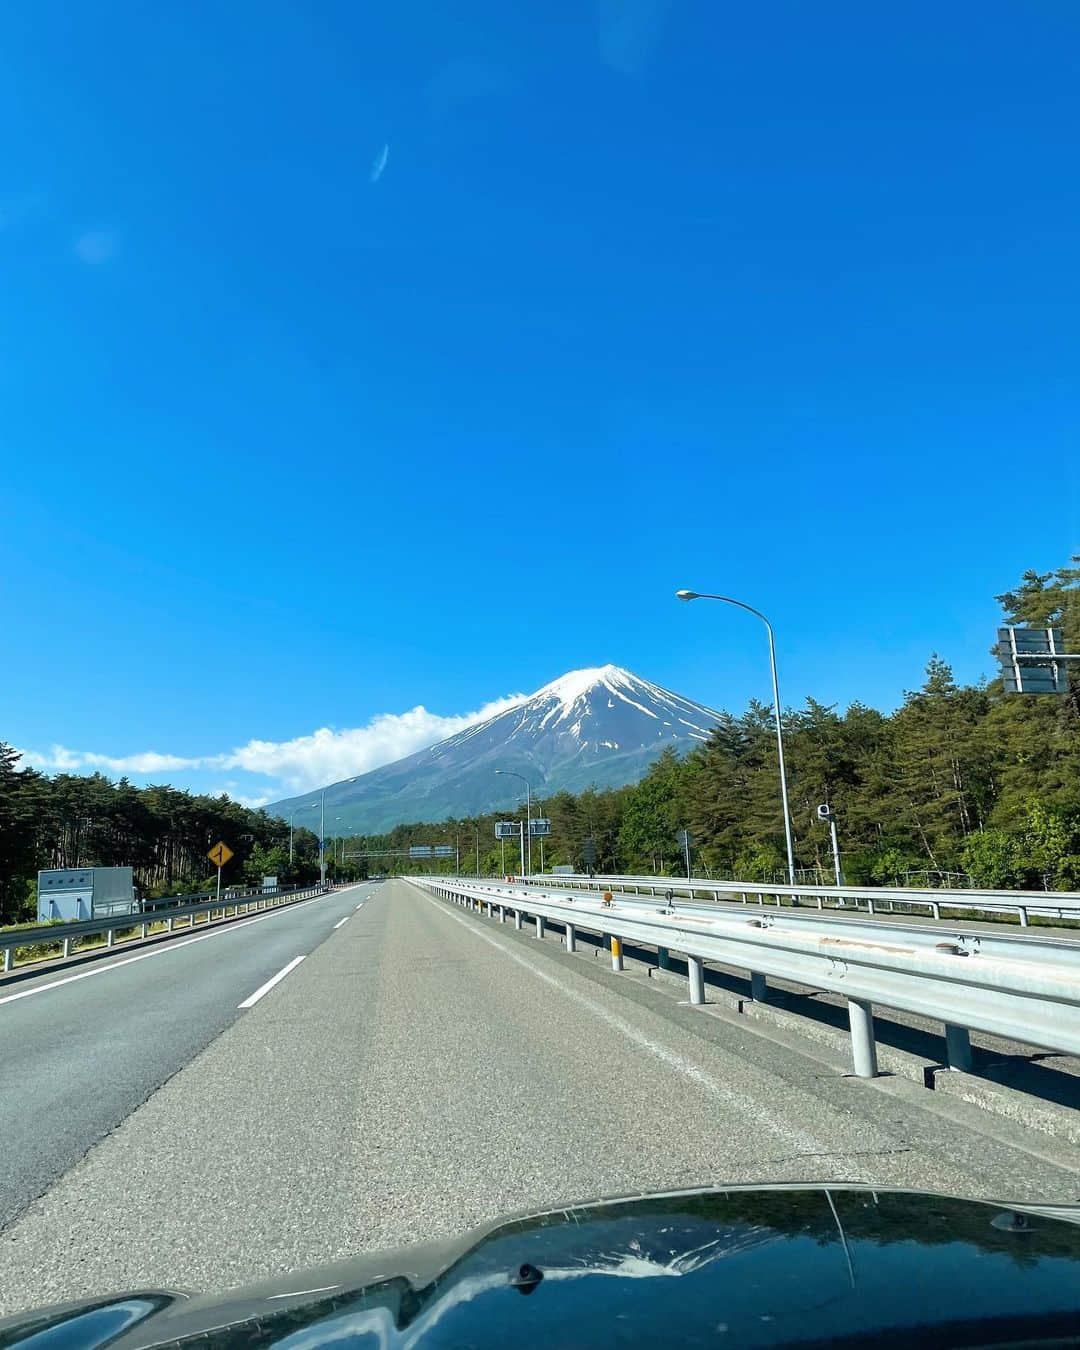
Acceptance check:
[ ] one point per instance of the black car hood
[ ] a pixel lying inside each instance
(777, 1265)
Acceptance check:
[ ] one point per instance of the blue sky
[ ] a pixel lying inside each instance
(356, 359)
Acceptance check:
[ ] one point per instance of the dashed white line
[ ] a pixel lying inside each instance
(341, 921)
(274, 979)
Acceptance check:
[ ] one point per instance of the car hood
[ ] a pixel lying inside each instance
(776, 1265)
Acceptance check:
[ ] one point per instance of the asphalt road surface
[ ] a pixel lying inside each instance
(424, 1069)
(82, 1047)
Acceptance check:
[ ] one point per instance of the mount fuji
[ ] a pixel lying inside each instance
(600, 727)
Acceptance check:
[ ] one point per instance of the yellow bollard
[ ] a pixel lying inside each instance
(616, 954)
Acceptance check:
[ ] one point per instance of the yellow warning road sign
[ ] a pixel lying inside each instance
(220, 854)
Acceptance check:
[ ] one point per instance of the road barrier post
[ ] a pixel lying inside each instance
(616, 954)
(696, 971)
(517, 919)
(863, 1046)
(958, 1048)
(539, 926)
(759, 990)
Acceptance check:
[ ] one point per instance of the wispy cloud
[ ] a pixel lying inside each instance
(320, 757)
(379, 164)
(96, 246)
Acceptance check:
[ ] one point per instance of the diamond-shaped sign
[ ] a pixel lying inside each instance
(220, 854)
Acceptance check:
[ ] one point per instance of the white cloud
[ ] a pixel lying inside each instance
(229, 791)
(62, 760)
(297, 765)
(326, 756)
(96, 246)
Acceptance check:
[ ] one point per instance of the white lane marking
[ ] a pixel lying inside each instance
(671, 1058)
(274, 979)
(163, 950)
(341, 921)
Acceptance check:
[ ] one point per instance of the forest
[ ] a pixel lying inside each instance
(959, 785)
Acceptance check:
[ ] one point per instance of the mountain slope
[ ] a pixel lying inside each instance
(602, 726)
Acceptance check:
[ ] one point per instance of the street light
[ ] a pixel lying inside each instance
(337, 820)
(322, 829)
(528, 809)
(727, 600)
(292, 816)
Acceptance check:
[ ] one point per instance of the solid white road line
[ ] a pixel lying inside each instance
(274, 979)
(163, 950)
(341, 921)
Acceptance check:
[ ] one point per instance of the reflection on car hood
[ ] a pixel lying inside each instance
(777, 1265)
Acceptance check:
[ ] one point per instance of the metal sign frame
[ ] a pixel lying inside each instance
(1032, 660)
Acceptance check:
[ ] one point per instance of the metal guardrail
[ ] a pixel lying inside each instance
(1024, 988)
(871, 899)
(66, 934)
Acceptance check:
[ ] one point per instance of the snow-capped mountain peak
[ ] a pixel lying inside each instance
(599, 726)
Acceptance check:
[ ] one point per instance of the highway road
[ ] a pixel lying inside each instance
(81, 1048)
(424, 1069)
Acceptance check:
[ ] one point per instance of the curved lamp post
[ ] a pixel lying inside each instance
(727, 600)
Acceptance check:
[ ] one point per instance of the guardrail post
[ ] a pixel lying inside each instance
(1022, 911)
(571, 938)
(935, 909)
(9, 957)
(169, 924)
(67, 948)
(517, 919)
(759, 990)
(958, 1048)
(696, 971)
(616, 954)
(663, 958)
(863, 1046)
(869, 904)
(539, 925)
(110, 938)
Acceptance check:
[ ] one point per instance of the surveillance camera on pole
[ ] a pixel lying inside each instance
(827, 816)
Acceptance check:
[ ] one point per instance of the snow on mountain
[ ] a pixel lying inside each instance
(602, 726)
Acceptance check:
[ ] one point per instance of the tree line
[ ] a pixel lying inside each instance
(75, 820)
(961, 784)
